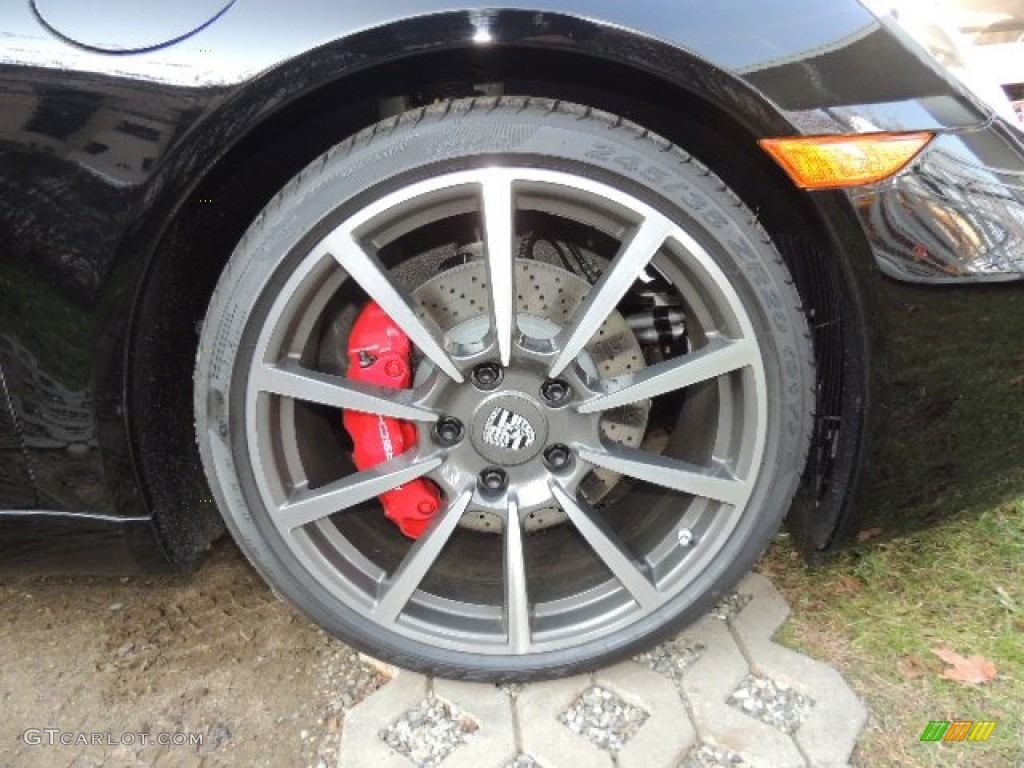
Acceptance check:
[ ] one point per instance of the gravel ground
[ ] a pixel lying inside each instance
(706, 756)
(729, 608)
(429, 732)
(217, 655)
(214, 654)
(672, 658)
(771, 703)
(604, 718)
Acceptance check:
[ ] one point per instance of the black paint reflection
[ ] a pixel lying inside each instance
(16, 487)
(43, 542)
(950, 413)
(79, 154)
(952, 217)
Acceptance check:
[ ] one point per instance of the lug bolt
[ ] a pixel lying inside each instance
(487, 376)
(493, 480)
(557, 457)
(448, 431)
(555, 390)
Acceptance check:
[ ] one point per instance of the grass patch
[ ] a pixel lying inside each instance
(876, 613)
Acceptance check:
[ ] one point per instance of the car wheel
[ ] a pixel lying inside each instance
(608, 395)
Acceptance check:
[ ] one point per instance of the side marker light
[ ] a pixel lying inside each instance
(831, 162)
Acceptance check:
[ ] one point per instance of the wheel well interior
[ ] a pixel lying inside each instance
(199, 240)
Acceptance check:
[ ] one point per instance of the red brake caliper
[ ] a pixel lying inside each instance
(379, 353)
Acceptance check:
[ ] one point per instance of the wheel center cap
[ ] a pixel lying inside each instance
(509, 429)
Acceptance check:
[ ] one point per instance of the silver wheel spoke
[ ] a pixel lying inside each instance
(292, 380)
(720, 356)
(421, 557)
(607, 546)
(610, 288)
(307, 506)
(368, 272)
(498, 225)
(679, 475)
(517, 601)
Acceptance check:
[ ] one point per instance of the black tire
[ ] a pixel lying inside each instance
(524, 133)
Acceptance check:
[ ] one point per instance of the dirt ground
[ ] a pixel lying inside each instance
(215, 654)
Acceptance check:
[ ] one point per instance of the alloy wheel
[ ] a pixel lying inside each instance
(607, 388)
(537, 372)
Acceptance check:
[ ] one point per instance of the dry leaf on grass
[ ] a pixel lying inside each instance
(869, 533)
(970, 669)
(910, 668)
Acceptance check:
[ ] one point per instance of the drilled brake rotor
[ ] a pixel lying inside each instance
(547, 296)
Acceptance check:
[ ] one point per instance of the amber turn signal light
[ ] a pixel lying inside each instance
(829, 162)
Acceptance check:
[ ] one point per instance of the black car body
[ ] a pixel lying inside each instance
(138, 141)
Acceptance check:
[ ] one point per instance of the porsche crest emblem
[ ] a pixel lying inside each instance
(507, 429)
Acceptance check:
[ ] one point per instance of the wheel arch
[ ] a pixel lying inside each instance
(271, 128)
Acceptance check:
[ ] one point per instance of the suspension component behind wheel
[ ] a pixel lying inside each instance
(379, 353)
